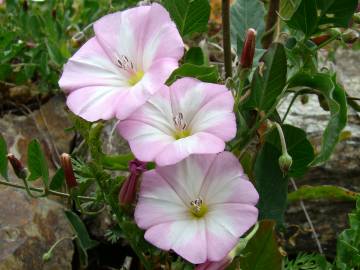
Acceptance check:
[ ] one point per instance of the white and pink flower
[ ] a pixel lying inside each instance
(129, 59)
(189, 117)
(198, 207)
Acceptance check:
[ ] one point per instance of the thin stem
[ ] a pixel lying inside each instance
(226, 37)
(289, 107)
(302, 205)
(59, 241)
(52, 192)
(282, 138)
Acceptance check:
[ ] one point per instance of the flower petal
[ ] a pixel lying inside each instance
(199, 143)
(226, 182)
(95, 102)
(225, 223)
(158, 202)
(147, 31)
(189, 96)
(187, 238)
(90, 66)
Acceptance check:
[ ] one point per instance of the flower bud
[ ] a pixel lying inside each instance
(65, 161)
(47, 256)
(285, 162)
(128, 189)
(350, 36)
(247, 54)
(17, 166)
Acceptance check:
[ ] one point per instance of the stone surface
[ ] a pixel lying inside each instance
(47, 125)
(28, 228)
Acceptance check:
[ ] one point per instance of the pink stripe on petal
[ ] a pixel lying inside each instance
(199, 143)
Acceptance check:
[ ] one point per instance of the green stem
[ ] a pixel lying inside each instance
(226, 37)
(290, 105)
(52, 192)
(282, 138)
(243, 74)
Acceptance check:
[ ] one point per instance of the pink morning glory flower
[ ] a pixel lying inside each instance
(129, 59)
(198, 207)
(189, 117)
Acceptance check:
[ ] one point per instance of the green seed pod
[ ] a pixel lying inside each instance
(285, 162)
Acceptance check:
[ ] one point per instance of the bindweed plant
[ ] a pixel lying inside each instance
(205, 185)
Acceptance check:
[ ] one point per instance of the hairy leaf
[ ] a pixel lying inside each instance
(348, 243)
(190, 16)
(261, 252)
(313, 16)
(326, 192)
(37, 164)
(245, 14)
(269, 79)
(203, 73)
(80, 230)
(271, 184)
(336, 100)
(58, 180)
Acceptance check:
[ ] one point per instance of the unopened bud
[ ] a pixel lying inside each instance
(356, 17)
(128, 189)
(65, 161)
(285, 162)
(47, 256)
(320, 39)
(17, 166)
(304, 99)
(247, 54)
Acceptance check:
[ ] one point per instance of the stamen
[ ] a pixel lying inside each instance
(179, 122)
(198, 208)
(125, 64)
(181, 127)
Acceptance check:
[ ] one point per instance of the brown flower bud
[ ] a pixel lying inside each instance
(128, 189)
(65, 161)
(17, 166)
(247, 54)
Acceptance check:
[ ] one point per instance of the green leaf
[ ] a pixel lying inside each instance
(118, 162)
(245, 14)
(269, 79)
(313, 16)
(190, 16)
(37, 164)
(203, 73)
(326, 192)
(271, 184)
(3, 158)
(58, 180)
(194, 56)
(298, 146)
(288, 8)
(261, 252)
(336, 99)
(305, 261)
(348, 243)
(80, 230)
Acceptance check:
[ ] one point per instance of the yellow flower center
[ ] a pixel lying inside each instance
(135, 78)
(179, 134)
(197, 208)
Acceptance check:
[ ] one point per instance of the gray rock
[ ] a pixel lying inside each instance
(28, 228)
